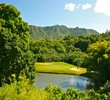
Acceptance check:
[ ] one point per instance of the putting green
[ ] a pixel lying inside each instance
(59, 67)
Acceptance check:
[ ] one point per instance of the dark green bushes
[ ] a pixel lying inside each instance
(56, 93)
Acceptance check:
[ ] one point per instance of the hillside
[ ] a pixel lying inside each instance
(58, 31)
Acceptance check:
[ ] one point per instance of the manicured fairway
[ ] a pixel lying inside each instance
(59, 67)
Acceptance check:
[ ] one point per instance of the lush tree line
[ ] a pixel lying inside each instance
(18, 54)
(69, 49)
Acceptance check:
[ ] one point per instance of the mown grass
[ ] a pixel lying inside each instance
(59, 67)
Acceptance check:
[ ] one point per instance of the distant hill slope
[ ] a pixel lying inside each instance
(58, 31)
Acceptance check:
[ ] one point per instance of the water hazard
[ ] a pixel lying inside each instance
(64, 81)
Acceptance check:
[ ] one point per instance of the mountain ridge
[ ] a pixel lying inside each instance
(58, 31)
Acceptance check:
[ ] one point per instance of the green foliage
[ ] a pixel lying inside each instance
(105, 88)
(69, 49)
(99, 59)
(22, 90)
(82, 44)
(15, 56)
(73, 94)
(10, 12)
(57, 51)
(56, 93)
(76, 58)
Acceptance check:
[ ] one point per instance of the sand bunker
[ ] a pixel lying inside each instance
(76, 69)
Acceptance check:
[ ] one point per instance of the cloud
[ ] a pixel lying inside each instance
(86, 6)
(70, 7)
(102, 6)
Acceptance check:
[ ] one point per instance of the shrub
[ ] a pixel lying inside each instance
(22, 90)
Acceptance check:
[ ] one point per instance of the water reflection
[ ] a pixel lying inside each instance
(64, 81)
(78, 82)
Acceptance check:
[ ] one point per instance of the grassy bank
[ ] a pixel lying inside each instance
(59, 67)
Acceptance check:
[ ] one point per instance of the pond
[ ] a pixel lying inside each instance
(64, 81)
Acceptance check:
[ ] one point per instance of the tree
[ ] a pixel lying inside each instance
(15, 56)
(82, 44)
(99, 59)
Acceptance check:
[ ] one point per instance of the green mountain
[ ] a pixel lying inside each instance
(58, 31)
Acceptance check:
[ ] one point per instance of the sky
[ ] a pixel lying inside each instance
(90, 14)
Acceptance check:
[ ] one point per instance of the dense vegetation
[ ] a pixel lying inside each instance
(58, 31)
(18, 54)
(15, 56)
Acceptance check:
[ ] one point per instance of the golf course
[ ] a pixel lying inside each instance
(59, 68)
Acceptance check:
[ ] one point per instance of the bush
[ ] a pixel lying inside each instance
(105, 88)
(22, 90)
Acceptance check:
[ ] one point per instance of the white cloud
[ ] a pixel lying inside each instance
(70, 7)
(102, 6)
(86, 6)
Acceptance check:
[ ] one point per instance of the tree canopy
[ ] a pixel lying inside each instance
(15, 56)
(99, 59)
